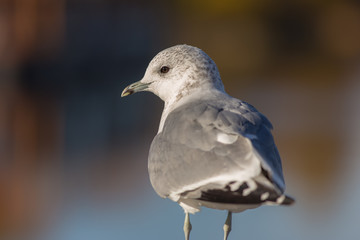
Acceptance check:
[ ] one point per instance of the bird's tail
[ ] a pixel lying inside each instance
(285, 200)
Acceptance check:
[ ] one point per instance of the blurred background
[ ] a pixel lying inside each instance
(73, 154)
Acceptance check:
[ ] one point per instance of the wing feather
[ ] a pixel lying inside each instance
(188, 150)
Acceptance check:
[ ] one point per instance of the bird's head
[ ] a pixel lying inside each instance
(176, 72)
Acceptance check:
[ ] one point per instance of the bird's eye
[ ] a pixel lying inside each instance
(164, 69)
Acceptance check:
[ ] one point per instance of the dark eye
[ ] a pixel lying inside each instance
(164, 69)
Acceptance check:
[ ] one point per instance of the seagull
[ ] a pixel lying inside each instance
(211, 149)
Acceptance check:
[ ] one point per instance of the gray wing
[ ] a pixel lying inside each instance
(187, 150)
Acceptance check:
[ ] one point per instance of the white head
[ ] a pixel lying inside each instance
(176, 72)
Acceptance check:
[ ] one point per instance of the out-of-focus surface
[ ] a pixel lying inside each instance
(73, 155)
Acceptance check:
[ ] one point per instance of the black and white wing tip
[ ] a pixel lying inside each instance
(249, 192)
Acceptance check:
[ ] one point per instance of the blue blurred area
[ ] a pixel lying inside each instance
(73, 154)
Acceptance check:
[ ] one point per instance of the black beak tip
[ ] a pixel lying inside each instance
(127, 92)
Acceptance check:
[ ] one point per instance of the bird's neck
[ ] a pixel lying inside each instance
(173, 103)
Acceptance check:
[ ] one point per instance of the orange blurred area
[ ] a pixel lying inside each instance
(65, 132)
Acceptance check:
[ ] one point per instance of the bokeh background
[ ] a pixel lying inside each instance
(73, 154)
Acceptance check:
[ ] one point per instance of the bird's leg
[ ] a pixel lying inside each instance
(187, 226)
(227, 225)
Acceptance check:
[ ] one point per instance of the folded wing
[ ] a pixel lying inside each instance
(216, 152)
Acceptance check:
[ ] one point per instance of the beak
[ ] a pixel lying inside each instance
(135, 87)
